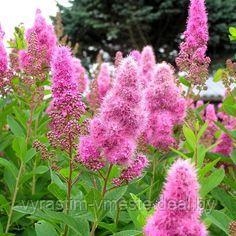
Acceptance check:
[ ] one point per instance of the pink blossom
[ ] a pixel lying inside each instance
(192, 56)
(118, 58)
(80, 74)
(225, 147)
(210, 118)
(89, 154)
(41, 41)
(3, 55)
(66, 106)
(136, 55)
(165, 107)
(103, 81)
(147, 64)
(101, 85)
(133, 171)
(120, 121)
(5, 72)
(178, 211)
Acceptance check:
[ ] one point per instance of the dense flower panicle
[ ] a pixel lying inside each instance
(133, 171)
(104, 81)
(5, 72)
(3, 55)
(178, 211)
(66, 106)
(80, 75)
(225, 147)
(147, 63)
(165, 107)
(89, 154)
(99, 87)
(41, 41)
(192, 56)
(136, 55)
(120, 121)
(199, 103)
(210, 118)
(118, 58)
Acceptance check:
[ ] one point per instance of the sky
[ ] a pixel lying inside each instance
(14, 12)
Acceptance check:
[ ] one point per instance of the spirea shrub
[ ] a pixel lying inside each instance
(86, 152)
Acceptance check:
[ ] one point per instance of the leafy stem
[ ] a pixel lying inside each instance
(14, 197)
(104, 190)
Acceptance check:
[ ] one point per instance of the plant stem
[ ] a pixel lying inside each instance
(153, 177)
(106, 180)
(104, 190)
(196, 155)
(69, 186)
(14, 198)
(34, 179)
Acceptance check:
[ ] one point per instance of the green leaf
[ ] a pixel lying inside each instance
(218, 75)
(93, 199)
(29, 155)
(128, 233)
(141, 210)
(15, 127)
(44, 228)
(190, 136)
(111, 227)
(4, 204)
(201, 153)
(232, 31)
(115, 194)
(225, 199)
(179, 153)
(233, 156)
(229, 105)
(202, 131)
(207, 168)
(41, 170)
(220, 219)
(183, 81)
(59, 193)
(9, 166)
(210, 182)
(20, 147)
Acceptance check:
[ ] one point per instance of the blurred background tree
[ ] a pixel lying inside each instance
(123, 25)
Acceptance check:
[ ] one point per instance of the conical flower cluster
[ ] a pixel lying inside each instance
(100, 86)
(66, 106)
(192, 56)
(226, 146)
(3, 55)
(210, 118)
(5, 72)
(147, 64)
(178, 212)
(81, 76)
(120, 121)
(165, 107)
(41, 41)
